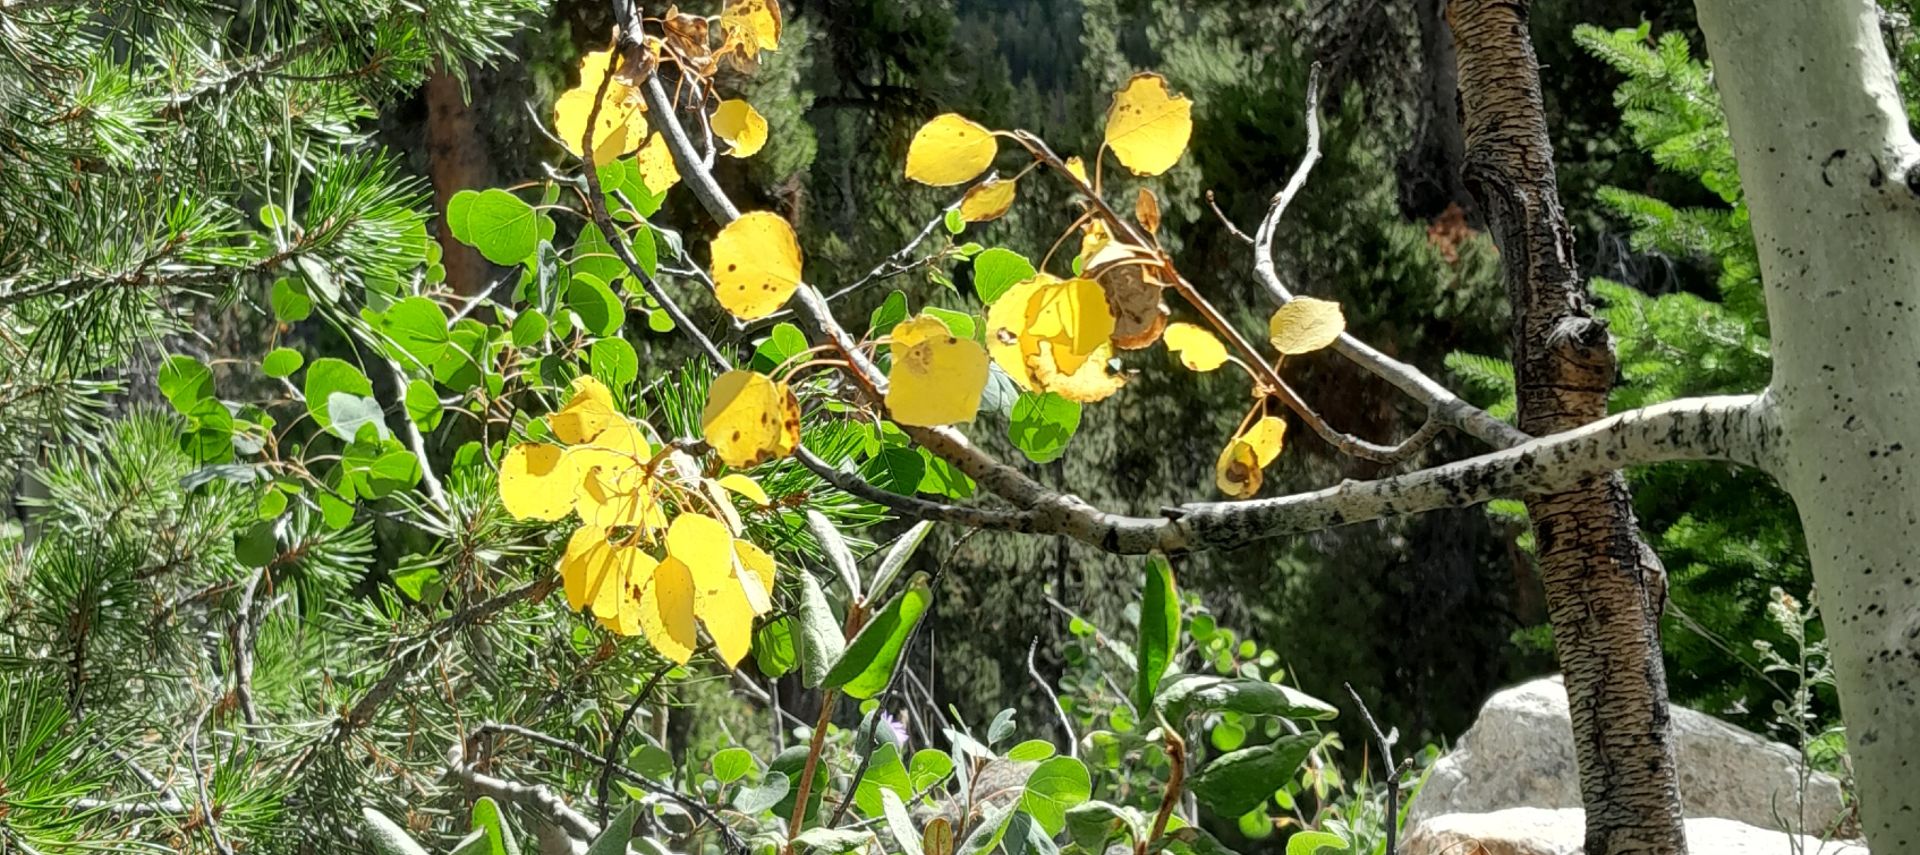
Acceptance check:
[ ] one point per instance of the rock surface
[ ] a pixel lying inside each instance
(1519, 753)
(1537, 831)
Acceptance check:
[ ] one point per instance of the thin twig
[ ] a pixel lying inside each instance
(613, 741)
(243, 640)
(1073, 742)
(200, 783)
(530, 797)
(1386, 759)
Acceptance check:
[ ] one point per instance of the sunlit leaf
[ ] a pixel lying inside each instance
(750, 26)
(622, 123)
(756, 265)
(1147, 126)
(937, 377)
(744, 129)
(1266, 436)
(988, 200)
(587, 413)
(1304, 325)
(750, 419)
(1196, 347)
(950, 149)
(536, 482)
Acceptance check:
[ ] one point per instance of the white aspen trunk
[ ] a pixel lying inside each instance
(1832, 177)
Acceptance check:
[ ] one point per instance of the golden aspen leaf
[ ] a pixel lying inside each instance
(744, 129)
(951, 149)
(1305, 325)
(1197, 348)
(588, 565)
(756, 265)
(1007, 323)
(1146, 211)
(1090, 380)
(612, 488)
(622, 124)
(988, 200)
(1147, 126)
(721, 506)
(665, 608)
(702, 543)
(1074, 317)
(936, 377)
(1127, 274)
(536, 481)
(750, 419)
(686, 34)
(745, 487)
(586, 414)
(635, 571)
(1096, 246)
(704, 546)
(1237, 473)
(1077, 168)
(1266, 437)
(657, 169)
(750, 26)
(759, 563)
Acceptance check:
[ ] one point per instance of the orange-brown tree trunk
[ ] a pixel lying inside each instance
(456, 161)
(1605, 589)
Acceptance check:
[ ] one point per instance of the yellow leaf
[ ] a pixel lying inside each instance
(756, 265)
(750, 26)
(1006, 323)
(702, 543)
(746, 488)
(1305, 325)
(1147, 126)
(750, 419)
(1090, 380)
(1077, 168)
(657, 170)
(612, 487)
(988, 200)
(951, 149)
(588, 565)
(1237, 473)
(1198, 349)
(636, 569)
(666, 610)
(1074, 316)
(536, 481)
(586, 414)
(1146, 211)
(937, 377)
(744, 129)
(704, 546)
(1266, 437)
(759, 563)
(622, 124)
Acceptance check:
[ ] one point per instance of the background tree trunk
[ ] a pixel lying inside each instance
(456, 160)
(1832, 176)
(1605, 589)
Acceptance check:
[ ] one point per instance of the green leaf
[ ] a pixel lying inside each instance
(619, 832)
(1042, 425)
(996, 270)
(821, 641)
(423, 405)
(594, 256)
(869, 661)
(488, 817)
(185, 381)
(281, 362)
(289, 300)
(1030, 751)
(1026, 837)
(831, 841)
(529, 328)
(417, 326)
(1001, 728)
(334, 511)
(930, 766)
(988, 833)
(416, 581)
(783, 342)
(731, 764)
(897, 469)
(387, 837)
(615, 363)
(1243, 780)
(319, 279)
(790, 763)
(890, 314)
(1310, 842)
(900, 823)
(773, 647)
(496, 222)
(272, 504)
(1159, 631)
(1053, 788)
(1190, 693)
(941, 478)
(326, 377)
(961, 324)
(1092, 824)
(897, 557)
(885, 774)
(347, 414)
(955, 223)
(834, 547)
(256, 547)
(771, 790)
(601, 311)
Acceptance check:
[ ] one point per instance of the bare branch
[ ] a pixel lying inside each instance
(532, 798)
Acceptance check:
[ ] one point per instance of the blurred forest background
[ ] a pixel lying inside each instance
(1430, 614)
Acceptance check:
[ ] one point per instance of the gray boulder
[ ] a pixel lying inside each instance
(1538, 831)
(1519, 754)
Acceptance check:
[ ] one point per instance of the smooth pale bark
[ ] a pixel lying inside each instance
(1605, 588)
(1829, 167)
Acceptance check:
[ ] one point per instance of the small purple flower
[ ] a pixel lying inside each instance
(893, 729)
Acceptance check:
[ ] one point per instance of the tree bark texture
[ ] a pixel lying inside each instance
(1605, 588)
(456, 161)
(1831, 173)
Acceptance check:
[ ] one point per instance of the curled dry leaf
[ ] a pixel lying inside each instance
(1146, 211)
(756, 265)
(949, 150)
(750, 419)
(744, 129)
(988, 200)
(1237, 472)
(1304, 325)
(1134, 293)
(1148, 126)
